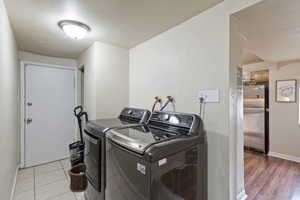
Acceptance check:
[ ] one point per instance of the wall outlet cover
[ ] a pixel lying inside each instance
(209, 96)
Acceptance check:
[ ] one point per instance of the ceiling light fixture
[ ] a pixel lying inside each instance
(74, 29)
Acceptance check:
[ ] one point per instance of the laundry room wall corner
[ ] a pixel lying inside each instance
(87, 59)
(106, 80)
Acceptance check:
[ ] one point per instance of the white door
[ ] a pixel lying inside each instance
(49, 120)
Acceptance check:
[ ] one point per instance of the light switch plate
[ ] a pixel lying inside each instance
(209, 96)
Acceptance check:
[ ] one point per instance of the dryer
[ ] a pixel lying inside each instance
(95, 140)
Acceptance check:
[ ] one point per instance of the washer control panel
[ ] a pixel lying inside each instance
(177, 119)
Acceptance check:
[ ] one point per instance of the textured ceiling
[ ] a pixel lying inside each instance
(272, 29)
(118, 22)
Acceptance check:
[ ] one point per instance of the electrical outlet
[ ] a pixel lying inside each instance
(209, 96)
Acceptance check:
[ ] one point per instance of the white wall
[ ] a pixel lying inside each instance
(284, 117)
(180, 62)
(106, 83)
(27, 56)
(9, 105)
(87, 58)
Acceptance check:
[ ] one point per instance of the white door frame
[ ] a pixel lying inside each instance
(23, 65)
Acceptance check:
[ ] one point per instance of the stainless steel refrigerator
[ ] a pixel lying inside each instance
(256, 136)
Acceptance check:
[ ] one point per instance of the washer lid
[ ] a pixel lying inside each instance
(109, 123)
(138, 138)
(127, 116)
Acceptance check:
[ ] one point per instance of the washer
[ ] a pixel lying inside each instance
(165, 160)
(94, 134)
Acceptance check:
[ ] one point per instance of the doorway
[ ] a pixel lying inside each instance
(49, 124)
(256, 109)
(273, 42)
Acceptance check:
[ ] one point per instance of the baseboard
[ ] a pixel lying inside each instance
(242, 195)
(14, 184)
(285, 157)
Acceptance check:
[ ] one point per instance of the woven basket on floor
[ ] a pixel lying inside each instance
(78, 179)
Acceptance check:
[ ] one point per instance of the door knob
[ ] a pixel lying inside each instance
(29, 120)
(29, 104)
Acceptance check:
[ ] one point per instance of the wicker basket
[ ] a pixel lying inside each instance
(78, 179)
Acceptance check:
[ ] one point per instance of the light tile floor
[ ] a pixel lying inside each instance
(45, 182)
